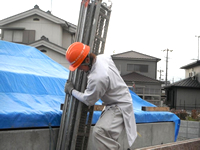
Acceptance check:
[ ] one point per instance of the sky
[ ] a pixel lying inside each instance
(144, 26)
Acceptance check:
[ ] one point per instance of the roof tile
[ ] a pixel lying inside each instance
(135, 55)
(136, 77)
(187, 82)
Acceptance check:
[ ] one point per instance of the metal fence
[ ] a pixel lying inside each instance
(149, 91)
(149, 94)
(188, 107)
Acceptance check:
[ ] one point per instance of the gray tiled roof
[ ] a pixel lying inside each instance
(46, 43)
(188, 82)
(134, 55)
(136, 77)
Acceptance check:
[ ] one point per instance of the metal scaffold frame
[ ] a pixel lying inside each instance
(76, 119)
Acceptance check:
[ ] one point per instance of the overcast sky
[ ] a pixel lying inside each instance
(145, 26)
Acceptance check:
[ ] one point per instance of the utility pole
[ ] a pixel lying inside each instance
(167, 50)
(198, 45)
(160, 71)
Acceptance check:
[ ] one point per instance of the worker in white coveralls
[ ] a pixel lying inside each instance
(105, 83)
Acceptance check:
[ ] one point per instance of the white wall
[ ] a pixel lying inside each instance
(195, 69)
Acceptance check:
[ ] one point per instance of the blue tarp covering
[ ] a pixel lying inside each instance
(32, 90)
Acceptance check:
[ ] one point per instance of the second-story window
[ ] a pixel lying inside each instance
(137, 67)
(28, 36)
(13, 35)
(19, 36)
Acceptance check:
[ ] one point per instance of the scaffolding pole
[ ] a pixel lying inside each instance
(76, 119)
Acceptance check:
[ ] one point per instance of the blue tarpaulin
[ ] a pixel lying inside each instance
(32, 90)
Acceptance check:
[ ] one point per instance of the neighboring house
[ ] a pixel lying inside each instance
(139, 71)
(192, 70)
(185, 94)
(42, 30)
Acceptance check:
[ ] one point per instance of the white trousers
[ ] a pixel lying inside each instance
(108, 129)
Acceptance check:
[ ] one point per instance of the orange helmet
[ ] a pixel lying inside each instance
(76, 53)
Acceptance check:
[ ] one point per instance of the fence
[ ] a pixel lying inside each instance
(147, 91)
(188, 107)
(189, 130)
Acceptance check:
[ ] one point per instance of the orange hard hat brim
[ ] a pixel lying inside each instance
(71, 68)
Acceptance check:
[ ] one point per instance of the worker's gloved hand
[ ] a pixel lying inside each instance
(69, 87)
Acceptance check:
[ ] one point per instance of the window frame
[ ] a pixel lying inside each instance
(138, 68)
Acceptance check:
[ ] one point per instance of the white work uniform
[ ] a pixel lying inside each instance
(105, 83)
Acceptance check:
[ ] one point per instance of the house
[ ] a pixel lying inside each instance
(185, 94)
(42, 30)
(192, 70)
(139, 72)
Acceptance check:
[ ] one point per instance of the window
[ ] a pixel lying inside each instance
(36, 19)
(7, 35)
(137, 67)
(19, 36)
(130, 67)
(43, 50)
(28, 36)
(13, 35)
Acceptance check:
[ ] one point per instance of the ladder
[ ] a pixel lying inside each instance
(76, 118)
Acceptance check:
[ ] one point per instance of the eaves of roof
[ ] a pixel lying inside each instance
(37, 11)
(50, 45)
(194, 64)
(133, 55)
(185, 83)
(136, 59)
(136, 77)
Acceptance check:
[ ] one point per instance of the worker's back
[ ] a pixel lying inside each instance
(112, 88)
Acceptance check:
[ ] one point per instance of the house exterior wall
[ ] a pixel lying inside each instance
(187, 98)
(67, 39)
(170, 101)
(49, 29)
(194, 69)
(122, 67)
(198, 77)
(59, 58)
